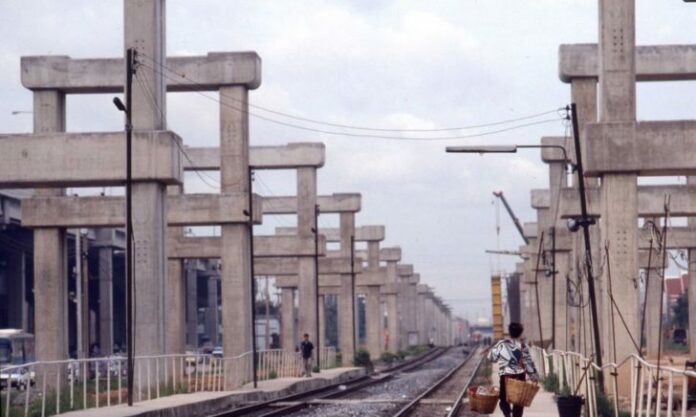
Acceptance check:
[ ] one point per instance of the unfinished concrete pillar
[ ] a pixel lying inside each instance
(144, 29)
(211, 314)
(322, 321)
(346, 300)
(175, 297)
(236, 238)
(619, 211)
(373, 324)
(422, 320)
(391, 303)
(287, 306)
(191, 304)
(306, 201)
(106, 291)
(653, 314)
(50, 255)
(692, 281)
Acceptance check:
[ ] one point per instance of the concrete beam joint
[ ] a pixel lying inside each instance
(50, 159)
(105, 75)
(653, 63)
(291, 156)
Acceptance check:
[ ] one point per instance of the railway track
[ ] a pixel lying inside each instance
(446, 395)
(292, 403)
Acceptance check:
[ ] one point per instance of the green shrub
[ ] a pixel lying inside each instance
(388, 357)
(316, 369)
(550, 383)
(362, 358)
(401, 355)
(339, 360)
(272, 375)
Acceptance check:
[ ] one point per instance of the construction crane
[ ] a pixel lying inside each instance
(514, 218)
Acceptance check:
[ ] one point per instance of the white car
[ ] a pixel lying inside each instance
(19, 378)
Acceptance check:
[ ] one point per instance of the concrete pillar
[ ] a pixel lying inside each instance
(692, 281)
(322, 321)
(106, 295)
(175, 297)
(374, 323)
(50, 255)
(346, 300)
(211, 316)
(653, 315)
(287, 306)
(617, 93)
(532, 317)
(236, 238)
(392, 310)
(191, 304)
(561, 309)
(306, 201)
(584, 94)
(422, 338)
(144, 30)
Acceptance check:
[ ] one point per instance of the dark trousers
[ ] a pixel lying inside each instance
(517, 410)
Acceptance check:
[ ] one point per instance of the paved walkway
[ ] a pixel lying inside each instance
(205, 403)
(543, 405)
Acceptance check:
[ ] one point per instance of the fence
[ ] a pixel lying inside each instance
(652, 388)
(51, 387)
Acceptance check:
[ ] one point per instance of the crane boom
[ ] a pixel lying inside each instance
(514, 218)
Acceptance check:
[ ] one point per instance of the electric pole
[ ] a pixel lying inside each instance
(315, 230)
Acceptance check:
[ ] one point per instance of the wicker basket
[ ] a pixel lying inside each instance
(484, 404)
(520, 392)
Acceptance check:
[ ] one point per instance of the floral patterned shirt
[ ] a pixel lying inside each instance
(513, 357)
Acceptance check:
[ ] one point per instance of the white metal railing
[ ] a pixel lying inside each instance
(651, 396)
(51, 387)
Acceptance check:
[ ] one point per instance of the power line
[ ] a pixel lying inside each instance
(362, 135)
(366, 128)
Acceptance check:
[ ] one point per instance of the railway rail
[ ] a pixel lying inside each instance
(446, 395)
(292, 403)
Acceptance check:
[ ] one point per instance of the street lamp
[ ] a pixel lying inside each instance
(509, 149)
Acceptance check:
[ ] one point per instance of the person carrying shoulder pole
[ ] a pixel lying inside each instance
(514, 361)
(306, 348)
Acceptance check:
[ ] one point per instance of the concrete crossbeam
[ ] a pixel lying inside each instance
(653, 63)
(652, 148)
(264, 246)
(290, 156)
(333, 234)
(650, 201)
(385, 254)
(405, 270)
(530, 230)
(335, 203)
(88, 159)
(182, 210)
(105, 75)
(678, 237)
(290, 267)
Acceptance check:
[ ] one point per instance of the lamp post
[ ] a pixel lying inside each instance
(584, 221)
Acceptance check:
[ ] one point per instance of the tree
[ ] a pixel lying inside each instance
(681, 312)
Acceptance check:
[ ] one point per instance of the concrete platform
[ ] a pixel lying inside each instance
(543, 406)
(206, 403)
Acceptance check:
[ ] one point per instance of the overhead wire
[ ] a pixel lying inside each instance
(360, 135)
(355, 127)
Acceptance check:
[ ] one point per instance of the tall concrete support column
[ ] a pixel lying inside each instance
(50, 254)
(306, 201)
(584, 94)
(346, 301)
(392, 310)
(422, 333)
(106, 292)
(191, 304)
(236, 238)
(144, 29)
(532, 325)
(617, 92)
(211, 317)
(373, 324)
(692, 281)
(175, 297)
(287, 306)
(558, 180)
(322, 321)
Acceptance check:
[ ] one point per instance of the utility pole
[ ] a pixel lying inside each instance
(130, 70)
(315, 230)
(352, 285)
(585, 221)
(553, 285)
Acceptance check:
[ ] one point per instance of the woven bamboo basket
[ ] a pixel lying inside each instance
(484, 404)
(520, 392)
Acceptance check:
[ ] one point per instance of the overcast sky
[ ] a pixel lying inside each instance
(390, 64)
